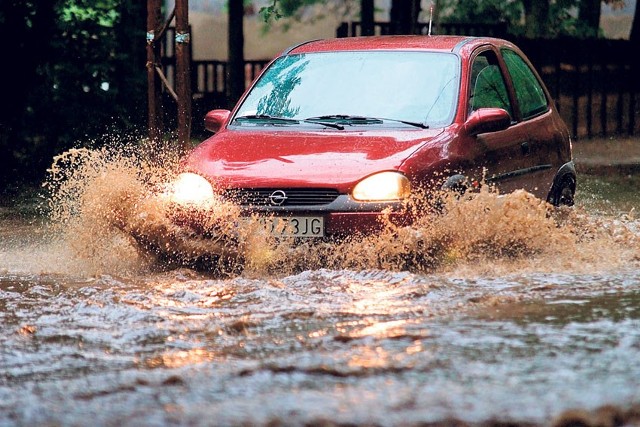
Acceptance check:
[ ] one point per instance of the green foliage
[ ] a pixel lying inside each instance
(279, 9)
(483, 12)
(283, 14)
(101, 12)
(84, 78)
(564, 21)
(271, 12)
(561, 21)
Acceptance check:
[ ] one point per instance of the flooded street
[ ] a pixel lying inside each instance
(481, 333)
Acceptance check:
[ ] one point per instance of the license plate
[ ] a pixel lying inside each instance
(294, 226)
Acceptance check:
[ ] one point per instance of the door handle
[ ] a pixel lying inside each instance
(525, 148)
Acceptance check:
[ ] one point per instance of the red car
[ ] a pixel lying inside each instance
(334, 132)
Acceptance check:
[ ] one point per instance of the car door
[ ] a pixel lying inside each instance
(543, 146)
(503, 157)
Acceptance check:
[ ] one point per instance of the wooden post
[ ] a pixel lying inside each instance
(367, 10)
(235, 70)
(183, 73)
(154, 21)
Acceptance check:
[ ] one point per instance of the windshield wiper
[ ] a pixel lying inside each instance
(410, 123)
(287, 120)
(347, 119)
(266, 117)
(323, 123)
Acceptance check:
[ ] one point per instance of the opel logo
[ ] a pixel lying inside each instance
(278, 197)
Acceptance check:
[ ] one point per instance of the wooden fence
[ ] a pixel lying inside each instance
(595, 83)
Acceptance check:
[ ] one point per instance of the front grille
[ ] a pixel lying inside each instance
(282, 196)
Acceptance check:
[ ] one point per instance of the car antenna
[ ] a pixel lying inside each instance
(430, 17)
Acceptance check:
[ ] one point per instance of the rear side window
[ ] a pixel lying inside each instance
(528, 90)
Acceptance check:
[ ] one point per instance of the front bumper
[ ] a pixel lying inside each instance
(344, 216)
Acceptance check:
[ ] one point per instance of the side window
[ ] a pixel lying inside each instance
(529, 92)
(487, 85)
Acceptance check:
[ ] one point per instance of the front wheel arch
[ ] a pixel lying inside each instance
(564, 186)
(458, 184)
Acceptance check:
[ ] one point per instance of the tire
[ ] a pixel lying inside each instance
(458, 184)
(564, 193)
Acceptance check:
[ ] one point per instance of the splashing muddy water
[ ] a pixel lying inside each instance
(105, 203)
(497, 310)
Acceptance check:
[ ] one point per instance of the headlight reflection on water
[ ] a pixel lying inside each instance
(179, 358)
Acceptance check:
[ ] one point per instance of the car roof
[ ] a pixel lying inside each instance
(402, 42)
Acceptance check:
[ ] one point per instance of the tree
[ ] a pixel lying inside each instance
(536, 18)
(532, 18)
(79, 78)
(25, 26)
(482, 12)
(403, 16)
(589, 16)
(403, 13)
(295, 9)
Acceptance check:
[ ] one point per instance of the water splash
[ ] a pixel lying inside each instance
(487, 234)
(89, 191)
(105, 209)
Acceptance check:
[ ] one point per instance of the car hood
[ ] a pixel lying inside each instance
(336, 159)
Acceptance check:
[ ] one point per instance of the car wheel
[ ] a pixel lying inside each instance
(457, 184)
(564, 194)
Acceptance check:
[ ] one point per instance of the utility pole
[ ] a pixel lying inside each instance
(183, 72)
(155, 76)
(154, 98)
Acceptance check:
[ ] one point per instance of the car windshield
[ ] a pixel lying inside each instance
(420, 87)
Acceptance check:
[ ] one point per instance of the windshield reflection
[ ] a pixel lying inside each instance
(420, 87)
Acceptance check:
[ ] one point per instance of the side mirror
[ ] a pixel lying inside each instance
(215, 119)
(486, 120)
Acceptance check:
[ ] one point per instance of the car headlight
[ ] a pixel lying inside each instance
(191, 189)
(382, 187)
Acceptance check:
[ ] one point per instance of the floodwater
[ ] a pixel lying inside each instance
(497, 311)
